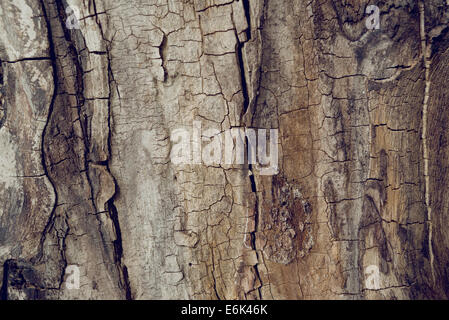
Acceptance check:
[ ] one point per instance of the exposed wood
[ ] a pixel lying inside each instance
(86, 178)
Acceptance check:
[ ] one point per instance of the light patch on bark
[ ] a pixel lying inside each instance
(426, 52)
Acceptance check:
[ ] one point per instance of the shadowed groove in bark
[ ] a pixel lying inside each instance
(246, 8)
(239, 48)
(118, 249)
(2, 106)
(256, 223)
(163, 55)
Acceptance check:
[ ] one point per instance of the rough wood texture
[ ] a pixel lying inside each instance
(86, 179)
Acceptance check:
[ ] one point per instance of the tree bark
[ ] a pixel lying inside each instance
(87, 114)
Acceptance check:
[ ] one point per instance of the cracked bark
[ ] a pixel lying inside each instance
(85, 173)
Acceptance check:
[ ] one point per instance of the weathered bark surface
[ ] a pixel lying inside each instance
(86, 178)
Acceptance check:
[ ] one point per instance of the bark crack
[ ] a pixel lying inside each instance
(46, 128)
(112, 209)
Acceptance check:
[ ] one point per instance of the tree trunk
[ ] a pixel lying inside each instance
(89, 104)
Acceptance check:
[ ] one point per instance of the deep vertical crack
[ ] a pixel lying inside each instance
(163, 54)
(241, 64)
(240, 61)
(112, 209)
(256, 223)
(2, 106)
(52, 54)
(118, 248)
(246, 8)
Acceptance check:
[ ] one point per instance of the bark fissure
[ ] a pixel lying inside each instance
(246, 8)
(241, 64)
(256, 223)
(113, 212)
(44, 157)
